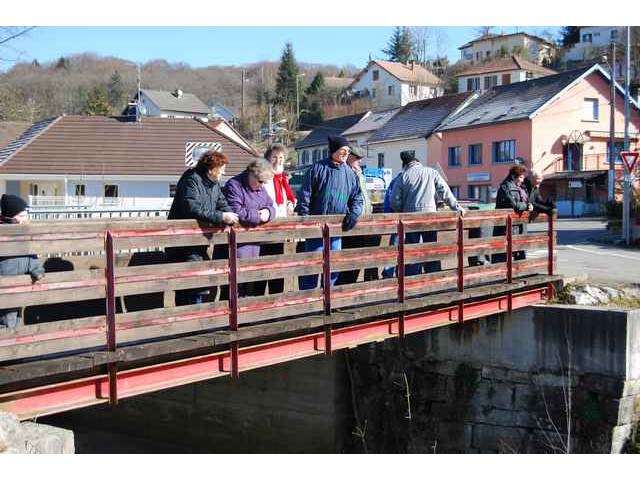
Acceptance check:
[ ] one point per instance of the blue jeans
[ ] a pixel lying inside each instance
(308, 282)
(389, 272)
(425, 267)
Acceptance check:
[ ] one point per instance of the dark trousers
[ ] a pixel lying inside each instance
(424, 267)
(275, 285)
(359, 241)
(502, 257)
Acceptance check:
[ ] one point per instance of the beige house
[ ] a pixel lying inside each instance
(499, 71)
(535, 48)
(393, 84)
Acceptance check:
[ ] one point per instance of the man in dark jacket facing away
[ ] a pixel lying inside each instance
(14, 211)
(199, 197)
(330, 188)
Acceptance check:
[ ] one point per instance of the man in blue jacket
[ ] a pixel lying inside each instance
(330, 188)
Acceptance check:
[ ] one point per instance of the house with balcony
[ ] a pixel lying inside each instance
(557, 125)
(393, 84)
(537, 49)
(111, 162)
(412, 128)
(499, 71)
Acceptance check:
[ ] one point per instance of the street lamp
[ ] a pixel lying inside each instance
(298, 100)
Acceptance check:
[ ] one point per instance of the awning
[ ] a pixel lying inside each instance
(589, 175)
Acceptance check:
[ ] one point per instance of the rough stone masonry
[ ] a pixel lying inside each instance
(30, 437)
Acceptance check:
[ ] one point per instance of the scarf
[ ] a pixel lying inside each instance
(279, 182)
(523, 194)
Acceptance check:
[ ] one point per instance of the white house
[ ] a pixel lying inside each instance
(109, 162)
(594, 42)
(391, 84)
(480, 49)
(412, 128)
(176, 104)
(499, 71)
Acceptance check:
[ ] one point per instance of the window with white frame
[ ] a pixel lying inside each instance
(80, 190)
(591, 110)
(587, 38)
(490, 81)
(381, 160)
(33, 189)
(172, 190)
(473, 84)
(305, 157)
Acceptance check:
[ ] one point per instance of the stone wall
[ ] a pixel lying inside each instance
(486, 387)
(29, 437)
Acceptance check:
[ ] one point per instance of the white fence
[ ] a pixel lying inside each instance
(101, 203)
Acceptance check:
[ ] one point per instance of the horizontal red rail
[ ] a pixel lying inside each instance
(94, 390)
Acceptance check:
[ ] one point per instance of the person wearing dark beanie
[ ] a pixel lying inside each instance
(13, 208)
(336, 143)
(330, 187)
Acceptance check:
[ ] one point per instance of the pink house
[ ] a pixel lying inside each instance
(557, 125)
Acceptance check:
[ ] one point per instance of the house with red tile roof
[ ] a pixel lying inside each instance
(112, 162)
(499, 71)
(394, 84)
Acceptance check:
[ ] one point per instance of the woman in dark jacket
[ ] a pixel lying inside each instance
(248, 198)
(512, 194)
(199, 197)
(14, 211)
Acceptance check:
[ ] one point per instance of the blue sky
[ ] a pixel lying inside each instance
(203, 46)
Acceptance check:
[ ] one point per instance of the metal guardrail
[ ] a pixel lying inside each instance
(74, 213)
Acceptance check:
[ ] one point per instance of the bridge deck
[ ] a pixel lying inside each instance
(140, 342)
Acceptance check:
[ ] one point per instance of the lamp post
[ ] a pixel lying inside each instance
(298, 100)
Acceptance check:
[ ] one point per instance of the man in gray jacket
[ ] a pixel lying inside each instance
(415, 191)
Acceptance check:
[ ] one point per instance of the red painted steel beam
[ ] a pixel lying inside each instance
(94, 390)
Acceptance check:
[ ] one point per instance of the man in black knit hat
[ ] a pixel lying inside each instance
(13, 210)
(330, 188)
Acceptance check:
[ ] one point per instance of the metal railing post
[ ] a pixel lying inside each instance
(550, 265)
(509, 232)
(233, 299)
(110, 286)
(460, 267)
(401, 275)
(326, 283)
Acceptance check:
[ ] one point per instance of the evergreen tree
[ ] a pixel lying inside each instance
(569, 36)
(115, 91)
(400, 47)
(97, 102)
(286, 80)
(316, 84)
(35, 63)
(62, 63)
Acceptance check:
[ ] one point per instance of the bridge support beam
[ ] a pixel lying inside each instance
(94, 390)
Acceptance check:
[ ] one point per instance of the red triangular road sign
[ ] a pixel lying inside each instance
(629, 159)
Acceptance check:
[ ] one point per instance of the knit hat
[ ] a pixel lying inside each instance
(356, 151)
(407, 156)
(12, 205)
(336, 143)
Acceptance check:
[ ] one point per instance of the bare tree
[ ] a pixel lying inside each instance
(422, 37)
(7, 37)
(441, 42)
(483, 31)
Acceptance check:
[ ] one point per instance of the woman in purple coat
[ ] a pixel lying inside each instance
(248, 198)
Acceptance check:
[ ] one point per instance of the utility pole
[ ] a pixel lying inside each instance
(138, 115)
(626, 226)
(612, 127)
(242, 97)
(270, 126)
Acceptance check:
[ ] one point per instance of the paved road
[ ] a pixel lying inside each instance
(580, 252)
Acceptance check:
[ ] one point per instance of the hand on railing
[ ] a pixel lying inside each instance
(230, 218)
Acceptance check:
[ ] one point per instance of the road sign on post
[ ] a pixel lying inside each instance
(629, 159)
